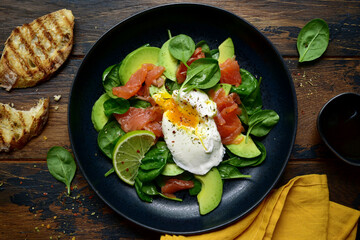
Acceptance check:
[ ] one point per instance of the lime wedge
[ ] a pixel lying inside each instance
(128, 153)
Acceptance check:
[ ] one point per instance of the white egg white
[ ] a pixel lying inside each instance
(197, 149)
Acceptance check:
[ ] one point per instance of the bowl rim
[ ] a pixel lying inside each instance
(322, 134)
(295, 112)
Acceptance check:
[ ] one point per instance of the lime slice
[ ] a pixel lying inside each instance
(128, 153)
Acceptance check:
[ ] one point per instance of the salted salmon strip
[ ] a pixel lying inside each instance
(226, 119)
(133, 85)
(141, 119)
(230, 72)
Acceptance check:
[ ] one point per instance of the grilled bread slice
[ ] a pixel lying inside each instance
(17, 127)
(34, 51)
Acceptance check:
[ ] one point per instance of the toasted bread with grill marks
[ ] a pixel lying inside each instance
(17, 127)
(34, 51)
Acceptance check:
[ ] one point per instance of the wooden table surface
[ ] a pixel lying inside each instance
(33, 205)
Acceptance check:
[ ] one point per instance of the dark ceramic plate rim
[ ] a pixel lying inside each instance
(281, 168)
(322, 134)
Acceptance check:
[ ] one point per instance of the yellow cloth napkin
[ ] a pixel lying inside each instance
(298, 210)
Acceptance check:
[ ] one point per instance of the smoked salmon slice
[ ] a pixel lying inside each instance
(230, 72)
(227, 120)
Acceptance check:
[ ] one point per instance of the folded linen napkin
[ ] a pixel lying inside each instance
(298, 210)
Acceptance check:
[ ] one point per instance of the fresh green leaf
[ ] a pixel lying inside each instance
(244, 117)
(154, 162)
(247, 86)
(112, 170)
(203, 74)
(313, 40)
(171, 86)
(61, 165)
(182, 47)
(196, 189)
(111, 79)
(116, 105)
(261, 122)
(228, 171)
(142, 195)
(150, 189)
(108, 137)
(137, 103)
(253, 101)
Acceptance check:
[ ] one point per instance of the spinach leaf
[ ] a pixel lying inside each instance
(111, 171)
(137, 103)
(247, 162)
(142, 195)
(108, 137)
(182, 47)
(253, 101)
(61, 165)
(196, 189)
(313, 40)
(116, 105)
(153, 162)
(171, 86)
(228, 171)
(247, 86)
(244, 117)
(111, 79)
(204, 47)
(261, 122)
(203, 74)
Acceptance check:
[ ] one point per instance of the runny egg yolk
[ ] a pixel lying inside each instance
(180, 114)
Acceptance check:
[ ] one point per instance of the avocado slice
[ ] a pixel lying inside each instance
(225, 86)
(98, 117)
(171, 169)
(168, 61)
(246, 148)
(226, 50)
(211, 191)
(133, 61)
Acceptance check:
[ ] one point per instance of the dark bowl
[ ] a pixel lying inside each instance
(338, 124)
(255, 54)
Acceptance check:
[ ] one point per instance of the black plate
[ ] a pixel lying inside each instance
(254, 53)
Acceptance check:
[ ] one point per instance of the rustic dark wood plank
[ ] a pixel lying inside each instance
(36, 206)
(315, 84)
(280, 21)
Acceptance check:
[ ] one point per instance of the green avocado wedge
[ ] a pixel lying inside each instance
(133, 61)
(98, 117)
(211, 191)
(226, 50)
(168, 61)
(246, 148)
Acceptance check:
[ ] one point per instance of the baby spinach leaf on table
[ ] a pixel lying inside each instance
(261, 122)
(116, 105)
(108, 137)
(253, 101)
(228, 171)
(203, 74)
(61, 165)
(182, 48)
(204, 47)
(111, 79)
(247, 86)
(313, 40)
(171, 86)
(244, 117)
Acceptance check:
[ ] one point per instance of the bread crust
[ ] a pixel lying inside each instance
(34, 51)
(17, 127)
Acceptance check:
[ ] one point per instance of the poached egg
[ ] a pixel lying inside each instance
(190, 131)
